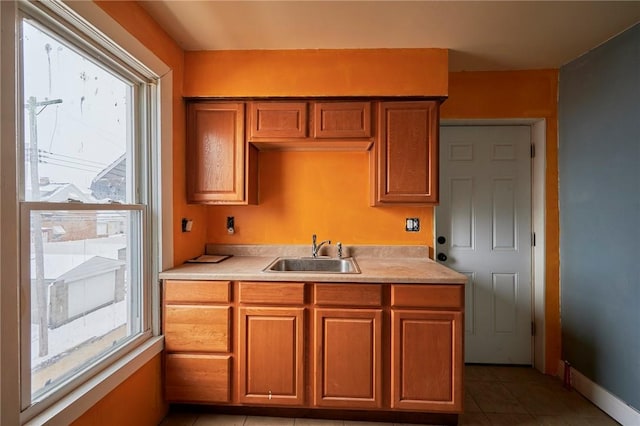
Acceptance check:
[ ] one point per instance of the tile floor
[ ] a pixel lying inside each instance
(494, 395)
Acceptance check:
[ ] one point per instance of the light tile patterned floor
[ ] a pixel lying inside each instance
(510, 396)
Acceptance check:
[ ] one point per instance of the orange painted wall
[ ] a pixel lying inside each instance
(521, 94)
(136, 402)
(321, 72)
(326, 193)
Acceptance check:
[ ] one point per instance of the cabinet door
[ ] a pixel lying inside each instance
(406, 169)
(342, 119)
(197, 378)
(426, 360)
(271, 352)
(348, 358)
(215, 153)
(278, 120)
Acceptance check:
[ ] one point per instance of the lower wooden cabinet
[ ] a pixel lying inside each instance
(379, 347)
(348, 358)
(426, 360)
(271, 355)
(198, 378)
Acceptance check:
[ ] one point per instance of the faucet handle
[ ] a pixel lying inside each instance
(339, 250)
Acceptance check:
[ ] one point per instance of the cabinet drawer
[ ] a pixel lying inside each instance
(427, 296)
(271, 293)
(196, 328)
(348, 294)
(196, 291)
(278, 120)
(197, 378)
(342, 119)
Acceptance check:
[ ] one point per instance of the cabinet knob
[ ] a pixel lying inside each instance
(442, 257)
(441, 240)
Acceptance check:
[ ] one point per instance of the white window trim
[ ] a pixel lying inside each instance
(77, 402)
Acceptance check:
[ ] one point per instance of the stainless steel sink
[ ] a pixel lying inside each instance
(314, 265)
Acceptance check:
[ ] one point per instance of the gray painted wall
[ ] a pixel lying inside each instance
(599, 167)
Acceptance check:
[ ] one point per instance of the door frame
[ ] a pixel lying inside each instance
(538, 128)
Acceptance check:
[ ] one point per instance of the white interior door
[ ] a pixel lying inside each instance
(483, 230)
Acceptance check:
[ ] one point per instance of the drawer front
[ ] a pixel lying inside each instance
(176, 291)
(427, 296)
(197, 378)
(348, 294)
(197, 328)
(275, 293)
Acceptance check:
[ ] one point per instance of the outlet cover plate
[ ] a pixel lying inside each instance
(412, 224)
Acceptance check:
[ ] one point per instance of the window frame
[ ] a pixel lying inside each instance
(91, 24)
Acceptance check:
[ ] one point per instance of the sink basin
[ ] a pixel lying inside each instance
(314, 265)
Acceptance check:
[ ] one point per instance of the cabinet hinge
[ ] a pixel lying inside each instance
(533, 239)
(533, 328)
(533, 151)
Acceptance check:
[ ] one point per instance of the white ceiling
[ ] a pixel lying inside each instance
(481, 35)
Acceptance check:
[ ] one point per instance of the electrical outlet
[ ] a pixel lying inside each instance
(412, 224)
(187, 224)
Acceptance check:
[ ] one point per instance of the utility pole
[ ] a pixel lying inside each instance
(36, 224)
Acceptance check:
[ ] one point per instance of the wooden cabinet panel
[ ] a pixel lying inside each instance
(342, 119)
(196, 328)
(361, 295)
(276, 293)
(426, 360)
(431, 296)
(277, 120)
(271, 356)
(177, 291)
(215, 153)
(197, 378)
(348, 358)
(406, 155)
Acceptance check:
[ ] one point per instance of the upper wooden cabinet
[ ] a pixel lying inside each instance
(405, 158)
(277, 120)
(219, 164)
(224, 137)
(341, 119)
(310, 125)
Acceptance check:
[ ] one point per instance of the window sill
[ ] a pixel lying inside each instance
(85, 396)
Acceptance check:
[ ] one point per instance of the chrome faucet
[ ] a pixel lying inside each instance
(315, 248)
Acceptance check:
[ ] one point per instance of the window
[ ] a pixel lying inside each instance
(85, 202)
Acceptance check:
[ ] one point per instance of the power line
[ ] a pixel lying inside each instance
(72, 158)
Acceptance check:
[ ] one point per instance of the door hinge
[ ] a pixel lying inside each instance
(533, 151)
(533, 239)
(533, 328)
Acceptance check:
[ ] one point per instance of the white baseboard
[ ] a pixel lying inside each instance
(623, 413)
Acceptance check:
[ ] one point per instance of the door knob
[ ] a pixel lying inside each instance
(442, 257)
(441, 240)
